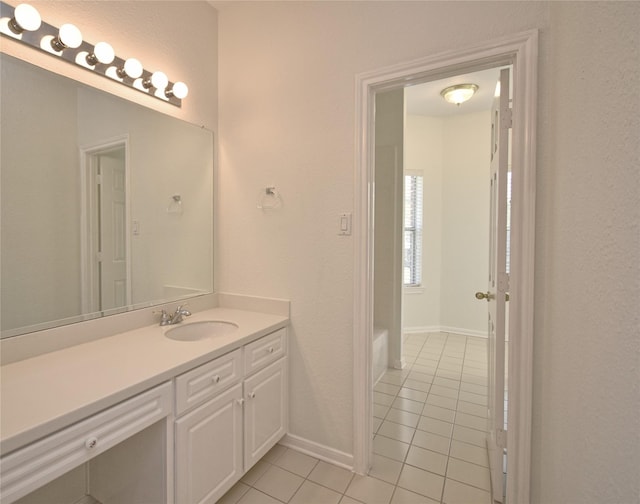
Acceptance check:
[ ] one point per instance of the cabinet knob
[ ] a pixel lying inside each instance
(271, 349)
(240, 401)
(91, 443)
(216, 379)
(252, 395)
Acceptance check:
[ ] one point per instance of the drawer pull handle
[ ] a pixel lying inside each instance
(216, 379)
(240, 401)
(252, 395)
(271, 349)
(91, 443)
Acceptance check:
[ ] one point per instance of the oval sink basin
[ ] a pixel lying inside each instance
(195, 331)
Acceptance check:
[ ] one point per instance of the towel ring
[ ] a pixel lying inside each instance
(269, 198)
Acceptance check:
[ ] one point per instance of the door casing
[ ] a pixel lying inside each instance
(519, 50)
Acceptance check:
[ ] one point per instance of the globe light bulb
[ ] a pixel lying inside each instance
(159, 80)
(25, 18)
(104, 53)
(180, 90)
(133, 68)
(70, 36)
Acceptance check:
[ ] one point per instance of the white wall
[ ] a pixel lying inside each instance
(424, 153)
(454, 152)
(287, 117)
(387, 288)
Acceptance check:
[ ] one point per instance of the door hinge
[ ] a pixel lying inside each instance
(99, 256)
(501, 438)
(507, 118)
(99, 179)
(503, 282)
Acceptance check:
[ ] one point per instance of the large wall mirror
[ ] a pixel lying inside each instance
(106, 206)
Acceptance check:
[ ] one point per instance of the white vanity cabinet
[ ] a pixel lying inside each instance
(230, 412)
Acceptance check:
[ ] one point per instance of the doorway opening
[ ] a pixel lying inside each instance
(519, 52)
(106, 262)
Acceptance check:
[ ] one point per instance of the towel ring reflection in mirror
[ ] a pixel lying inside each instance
(269, 198)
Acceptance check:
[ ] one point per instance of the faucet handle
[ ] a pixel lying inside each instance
(165, 318)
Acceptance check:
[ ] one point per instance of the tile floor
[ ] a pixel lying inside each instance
(429, 444)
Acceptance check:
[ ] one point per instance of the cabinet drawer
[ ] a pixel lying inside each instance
(264, 351)
(196, 386)
(29, 468)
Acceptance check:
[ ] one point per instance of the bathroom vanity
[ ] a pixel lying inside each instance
(141, 417)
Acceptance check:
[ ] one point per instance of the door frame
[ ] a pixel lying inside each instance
(88, 281)
(521, 51)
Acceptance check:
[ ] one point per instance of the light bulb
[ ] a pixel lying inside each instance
(179, 90)
(68, 36)
(25, 17)
(159, 80)
(133, 68)
(102, 53)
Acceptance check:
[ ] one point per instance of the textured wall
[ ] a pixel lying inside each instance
(586, 427)
(287, 118)
(287, 109)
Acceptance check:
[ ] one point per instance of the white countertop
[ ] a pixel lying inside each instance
(51, 391)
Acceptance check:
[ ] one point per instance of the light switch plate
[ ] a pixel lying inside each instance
(345, 224)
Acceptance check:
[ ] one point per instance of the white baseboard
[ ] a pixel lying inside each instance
(447, 329)
(318, 451)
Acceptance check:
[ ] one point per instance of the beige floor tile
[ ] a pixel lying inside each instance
(278, 483)
(444, 391)
(383, 399)
(311, 492)
(472, 409)
(443, 402)
(253, 496)
(380, 411)
(459, 493)
(377, 422)
(417, 385)
(472, 398)
(234, 494)
(472, 421)
(274, 453)
(403, 417)
(478, 380)
(474, 389)
(470, 453)
(414, 395)
(255, 472)
(471, 436)
(468, 473)
(427, 460)
(402, 496)
(422, 377)
(433, 411)
(421, 481)
(405, 404)
(385, 469)
(390, 448)
(296, 462)
(349, 500)
(391, 379)
(421, 367)
(446, 382)
(397, 431)
(431, 442)
(386, 388)
(369, 490)
(435, 426)
(333, 477)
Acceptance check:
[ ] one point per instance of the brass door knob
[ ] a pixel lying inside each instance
(484, 295)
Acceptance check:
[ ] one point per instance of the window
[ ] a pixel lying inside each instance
(412, 258)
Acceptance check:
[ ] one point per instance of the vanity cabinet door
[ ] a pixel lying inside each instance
(266, 411)
(209, 449)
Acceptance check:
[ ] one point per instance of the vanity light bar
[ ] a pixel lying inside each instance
(25, 25)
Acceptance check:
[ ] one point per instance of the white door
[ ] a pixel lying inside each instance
(112, 230)
(498, 287)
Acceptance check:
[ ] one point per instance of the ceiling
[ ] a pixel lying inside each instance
(424, 99)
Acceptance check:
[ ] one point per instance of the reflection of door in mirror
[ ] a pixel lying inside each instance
(107, 284)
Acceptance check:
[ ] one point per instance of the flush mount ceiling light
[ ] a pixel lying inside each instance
(25, 25)
(459, 93)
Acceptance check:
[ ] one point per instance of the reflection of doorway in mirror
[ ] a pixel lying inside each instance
(105, 248)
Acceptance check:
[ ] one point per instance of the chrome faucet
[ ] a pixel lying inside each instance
(176, 318)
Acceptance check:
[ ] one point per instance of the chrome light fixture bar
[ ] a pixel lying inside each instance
(25, 25)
